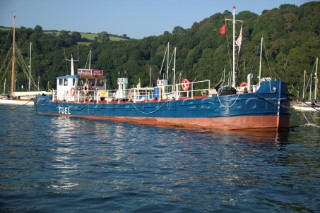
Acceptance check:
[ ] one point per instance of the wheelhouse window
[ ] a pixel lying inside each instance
(91, 82)
(100, 82)
(81, 82)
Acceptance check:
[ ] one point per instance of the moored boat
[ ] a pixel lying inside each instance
(305, 106)
(25, 96)
(265, 106)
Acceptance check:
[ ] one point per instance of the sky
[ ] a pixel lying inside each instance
(135, 18)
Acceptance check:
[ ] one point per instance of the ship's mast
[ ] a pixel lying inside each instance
(90, 59)
(72, 65)
(233, 47)
(13, 56)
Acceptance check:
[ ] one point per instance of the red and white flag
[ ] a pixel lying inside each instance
(239, 40)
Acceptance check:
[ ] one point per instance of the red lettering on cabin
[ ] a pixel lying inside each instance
(90, 72)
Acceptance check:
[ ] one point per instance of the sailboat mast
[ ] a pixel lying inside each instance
(29, 86)
(260, 66)
(304, 84)
(233, 47)
(13, 56)
(310, 96)
(316, 81)
(168, 55)
(4, 86)
(174, 68)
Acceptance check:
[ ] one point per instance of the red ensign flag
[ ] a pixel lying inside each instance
(223, 29)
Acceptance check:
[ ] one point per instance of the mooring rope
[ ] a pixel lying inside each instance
(21, 105)
(299, 125)
(146, 113)
(231, 104)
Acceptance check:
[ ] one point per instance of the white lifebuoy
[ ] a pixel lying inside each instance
(185, 84)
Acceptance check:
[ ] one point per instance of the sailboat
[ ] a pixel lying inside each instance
(19, 97)
(187, 104)
(313, 104)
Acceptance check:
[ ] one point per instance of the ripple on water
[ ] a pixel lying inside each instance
(72, 165)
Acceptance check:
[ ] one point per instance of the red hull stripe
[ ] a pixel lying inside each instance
(227, 123)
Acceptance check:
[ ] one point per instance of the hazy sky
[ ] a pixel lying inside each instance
(136, 18)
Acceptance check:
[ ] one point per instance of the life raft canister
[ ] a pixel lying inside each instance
(243, 84)
(72, 91)
(185, 84)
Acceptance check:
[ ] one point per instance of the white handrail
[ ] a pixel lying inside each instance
(133, 94)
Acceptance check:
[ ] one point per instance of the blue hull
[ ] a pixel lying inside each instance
(269, 107)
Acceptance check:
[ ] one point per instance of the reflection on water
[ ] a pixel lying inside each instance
(64, 150)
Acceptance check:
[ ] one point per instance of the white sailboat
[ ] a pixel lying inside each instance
(313, 104)
(19, 97)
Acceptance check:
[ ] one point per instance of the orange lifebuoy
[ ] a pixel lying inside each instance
(72, 91)
(185, 84)
(243, 84)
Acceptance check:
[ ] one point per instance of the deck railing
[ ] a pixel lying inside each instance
(199, 88)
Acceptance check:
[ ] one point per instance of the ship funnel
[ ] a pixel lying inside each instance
(249, 81)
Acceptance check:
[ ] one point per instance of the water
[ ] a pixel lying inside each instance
(58, 164)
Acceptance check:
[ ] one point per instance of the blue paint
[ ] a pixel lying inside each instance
(264, 102)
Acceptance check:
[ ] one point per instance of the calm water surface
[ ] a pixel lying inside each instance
(58, 164)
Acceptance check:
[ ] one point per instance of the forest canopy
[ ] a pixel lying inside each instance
(291, 45)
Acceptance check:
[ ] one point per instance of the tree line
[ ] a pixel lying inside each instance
(291, 45)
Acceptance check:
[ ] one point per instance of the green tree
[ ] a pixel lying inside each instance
(103, 37)
(177, 30)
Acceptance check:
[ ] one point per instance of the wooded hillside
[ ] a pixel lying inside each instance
(291, 35)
